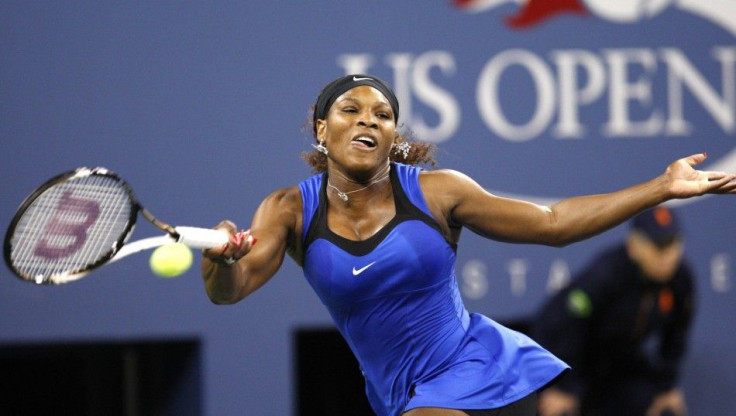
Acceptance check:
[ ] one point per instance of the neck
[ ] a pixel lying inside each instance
(345, 181)
(350, 186)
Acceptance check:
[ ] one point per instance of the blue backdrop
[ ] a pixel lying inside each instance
(200, 105)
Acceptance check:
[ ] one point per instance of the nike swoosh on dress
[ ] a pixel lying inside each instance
(362, 269)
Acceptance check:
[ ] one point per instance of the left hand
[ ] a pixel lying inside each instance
(685, 181)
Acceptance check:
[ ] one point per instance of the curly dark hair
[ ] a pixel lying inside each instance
(420, 153)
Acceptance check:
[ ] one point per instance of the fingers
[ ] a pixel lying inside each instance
(215, 252)
(228, 226)
(714, 176)
(239, 245)
(696, 159)
(721, 183)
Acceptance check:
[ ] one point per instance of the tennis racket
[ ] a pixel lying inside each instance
(80, 220)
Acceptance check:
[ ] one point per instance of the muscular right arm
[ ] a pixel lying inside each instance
(274, 227)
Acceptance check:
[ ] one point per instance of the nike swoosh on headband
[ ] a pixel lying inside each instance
(362, 269)
(356, 79)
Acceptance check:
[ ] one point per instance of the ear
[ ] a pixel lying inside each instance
(321, 129)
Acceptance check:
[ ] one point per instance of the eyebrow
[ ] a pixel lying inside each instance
(381, 103)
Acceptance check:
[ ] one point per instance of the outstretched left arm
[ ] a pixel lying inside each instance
(465, 203)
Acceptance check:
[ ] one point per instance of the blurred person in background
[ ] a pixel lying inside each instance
(622, 324)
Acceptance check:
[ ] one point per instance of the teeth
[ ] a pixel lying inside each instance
(366, 140)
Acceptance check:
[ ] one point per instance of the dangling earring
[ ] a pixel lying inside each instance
(402, 149)
(321, 147)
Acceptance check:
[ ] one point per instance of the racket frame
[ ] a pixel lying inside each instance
(118, 249)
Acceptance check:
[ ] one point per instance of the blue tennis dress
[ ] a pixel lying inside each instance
(395, 300)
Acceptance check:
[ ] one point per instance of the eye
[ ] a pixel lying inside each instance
(384, 116)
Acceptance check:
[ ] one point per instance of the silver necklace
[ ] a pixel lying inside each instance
(344, 195)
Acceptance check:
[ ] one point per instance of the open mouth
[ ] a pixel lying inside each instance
(366, 141)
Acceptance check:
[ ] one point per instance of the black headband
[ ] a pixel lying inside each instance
(336, 88)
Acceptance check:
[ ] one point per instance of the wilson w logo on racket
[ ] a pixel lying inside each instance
(80, 220)
(66, 231)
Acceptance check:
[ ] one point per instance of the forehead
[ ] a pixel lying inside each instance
(363, 93)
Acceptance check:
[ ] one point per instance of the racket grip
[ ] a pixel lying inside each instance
(201, 238)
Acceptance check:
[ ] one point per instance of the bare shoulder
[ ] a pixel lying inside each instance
(444, 190)
(284, 202)
(285, 196)
(280, 214)
(443, 174)
(279, 217)
(445, 182)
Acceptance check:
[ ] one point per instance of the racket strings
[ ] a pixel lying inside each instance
(114, 211)
(71, 226)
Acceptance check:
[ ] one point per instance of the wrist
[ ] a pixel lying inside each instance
(221, 259)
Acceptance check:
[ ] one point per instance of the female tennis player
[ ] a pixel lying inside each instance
(376, 237)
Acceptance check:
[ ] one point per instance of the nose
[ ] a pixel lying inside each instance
(367, 119)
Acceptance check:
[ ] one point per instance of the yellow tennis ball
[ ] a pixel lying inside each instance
(171, 260)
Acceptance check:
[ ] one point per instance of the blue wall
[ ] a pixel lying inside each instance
(199, 105)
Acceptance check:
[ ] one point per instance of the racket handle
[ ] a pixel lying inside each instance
(202, 238)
